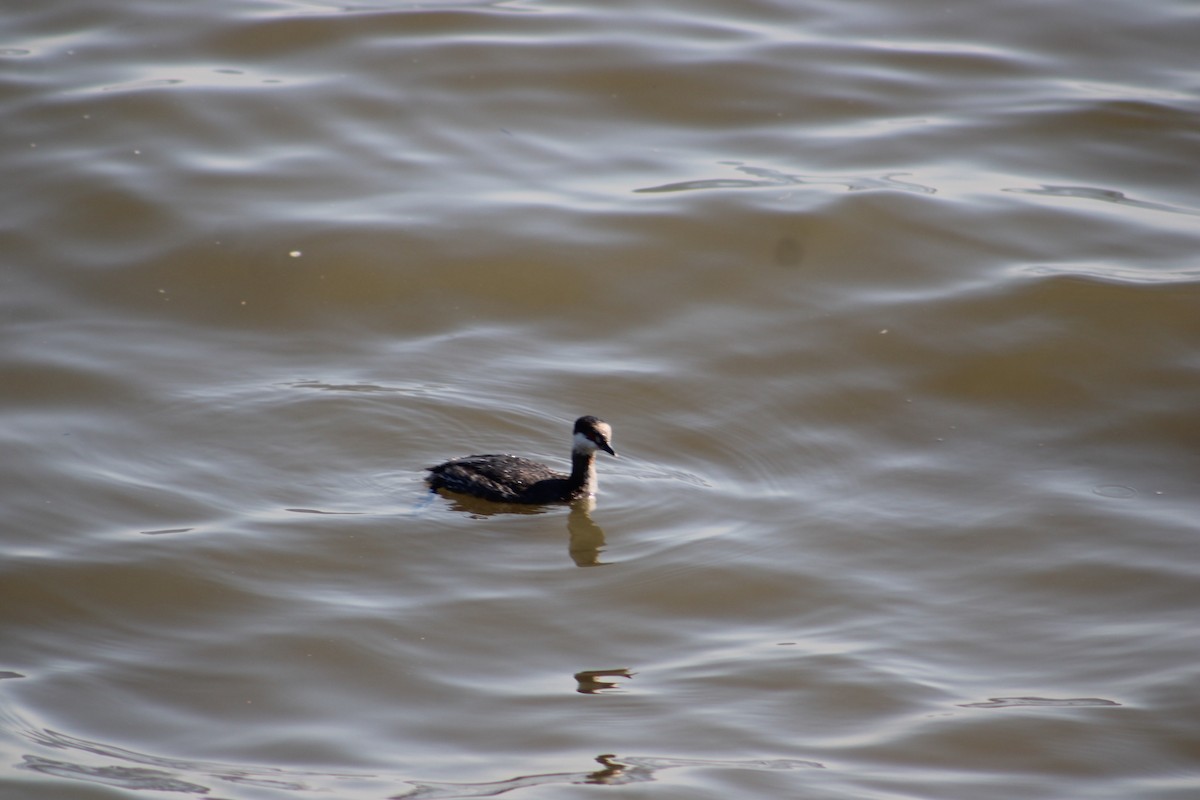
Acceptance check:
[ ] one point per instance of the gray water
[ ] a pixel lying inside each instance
(894, 309)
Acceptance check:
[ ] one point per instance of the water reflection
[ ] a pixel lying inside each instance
(593, 681)
(1103, 195)
(585, 539)
(614, 771)
(611, 773)
(765, 177)
(109, 775)
(156, 773)
(1052, 702)
(108, 765)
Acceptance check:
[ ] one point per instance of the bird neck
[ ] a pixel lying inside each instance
(583, 471)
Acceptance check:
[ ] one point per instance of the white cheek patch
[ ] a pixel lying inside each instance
(584, 443)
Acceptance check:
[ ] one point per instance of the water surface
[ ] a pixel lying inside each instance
(892, 306)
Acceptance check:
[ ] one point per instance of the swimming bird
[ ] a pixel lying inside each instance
(511, 479)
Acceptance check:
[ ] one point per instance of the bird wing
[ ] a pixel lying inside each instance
(498, 474)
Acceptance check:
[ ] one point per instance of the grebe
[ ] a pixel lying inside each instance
(509, 479)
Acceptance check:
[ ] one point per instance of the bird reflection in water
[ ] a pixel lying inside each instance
(614, 771)
(592, 681)
(585, 538)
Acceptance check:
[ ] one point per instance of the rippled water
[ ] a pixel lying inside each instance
(894, 308)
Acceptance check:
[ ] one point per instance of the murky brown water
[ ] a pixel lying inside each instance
(894, 308)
